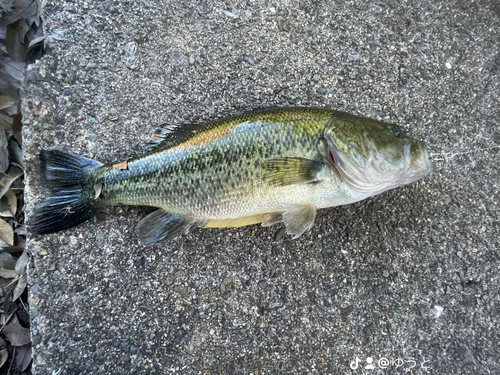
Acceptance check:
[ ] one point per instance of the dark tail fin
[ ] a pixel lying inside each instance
(68, 178)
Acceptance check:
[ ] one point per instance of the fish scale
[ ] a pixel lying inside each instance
(232, 185)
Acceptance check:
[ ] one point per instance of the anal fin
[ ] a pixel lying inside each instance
(272, 218)
(162, 225)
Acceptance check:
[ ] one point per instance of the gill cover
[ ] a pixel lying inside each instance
(371, 156)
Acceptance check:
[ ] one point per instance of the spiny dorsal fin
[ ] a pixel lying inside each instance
(291, 170)
(169, 134)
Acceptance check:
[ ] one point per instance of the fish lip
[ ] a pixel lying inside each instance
(430, 164)
(424, 164)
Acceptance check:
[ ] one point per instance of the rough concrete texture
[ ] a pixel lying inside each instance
(411, 275)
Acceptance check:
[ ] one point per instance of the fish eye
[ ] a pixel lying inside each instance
(394, 129)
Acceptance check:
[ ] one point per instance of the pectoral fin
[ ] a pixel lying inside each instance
(298, 219)
(287, 171)
(162, 225)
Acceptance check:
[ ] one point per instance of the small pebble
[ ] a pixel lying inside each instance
(439, 310)
(353, 57)
(99, 240)
(230, 14)
(166, 80)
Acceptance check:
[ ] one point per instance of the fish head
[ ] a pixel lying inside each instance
(371, 156)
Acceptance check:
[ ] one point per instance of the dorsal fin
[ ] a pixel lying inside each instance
(169, 134)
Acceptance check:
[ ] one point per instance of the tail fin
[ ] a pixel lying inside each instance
(68, 178)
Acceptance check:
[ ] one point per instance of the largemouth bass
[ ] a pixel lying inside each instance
(266, 166)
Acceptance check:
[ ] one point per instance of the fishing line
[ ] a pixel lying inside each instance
(453, 154)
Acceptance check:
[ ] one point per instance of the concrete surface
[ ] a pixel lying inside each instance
(411, 275)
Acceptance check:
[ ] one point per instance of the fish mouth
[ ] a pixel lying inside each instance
(417, 157)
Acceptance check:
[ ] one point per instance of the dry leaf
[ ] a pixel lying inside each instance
(21, 263)
(16, 333)
(33, 14)
(4, 355)
(97, 189)
(14, 40)
(23, 357)
(35, 49)
(6, 233)
(17, 126)
(6, 102)
(122, 165)
(15, 153)
(7, 180)
(7, 266)
(20, 9)
(21, 229)
(20, 286)
(4, 152)
(6, 122)
(8, 204)
(15, 69)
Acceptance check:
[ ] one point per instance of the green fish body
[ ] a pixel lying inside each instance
(266, 166)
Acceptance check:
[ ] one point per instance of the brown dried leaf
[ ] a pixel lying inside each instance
(16, 32)
(16, 333)
(122, 165)
(4, 152)
(21, 229)
(34, 16)
(7, 274)
(17, 127)
(6, 102)
(8, 204)
(7, 180)
(21, 263)
(15, 153)
(13, 249)
(20, 286)
(35, 49)
(6, 122)
(6, 233)
(7, 266)
(4, 355)
(15, 69)
(23, 357)
(20, 9)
